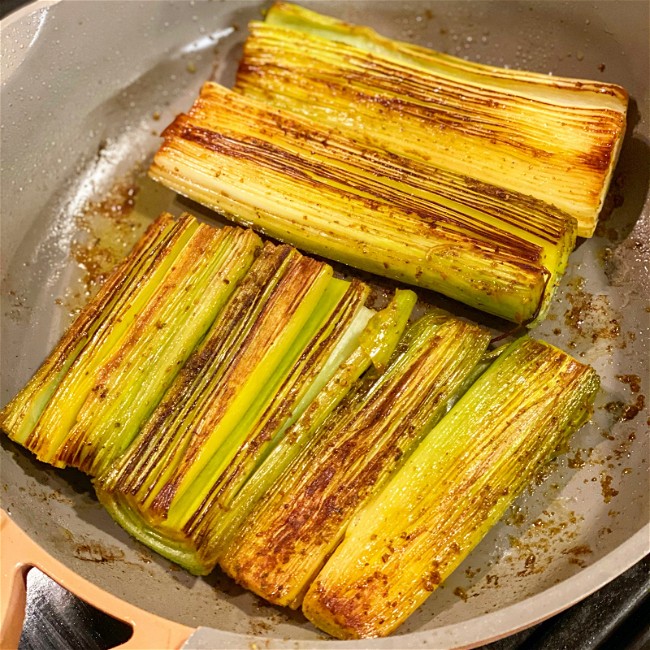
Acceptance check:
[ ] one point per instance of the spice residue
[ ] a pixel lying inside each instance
(107, 229)
(606, 488)
(633, 381)
(577, 461)
(623, 412)
(94, 552)
(107, 234)
(534, 550)
(461, 593)
(16, 304)
(590, 315)
(529, 565)
(576, 554)
(632, 410)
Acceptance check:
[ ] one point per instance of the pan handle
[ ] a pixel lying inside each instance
(19, 553)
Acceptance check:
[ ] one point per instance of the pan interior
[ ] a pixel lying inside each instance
(82, 110)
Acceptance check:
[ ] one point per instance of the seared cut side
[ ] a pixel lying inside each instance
(299, 521)
(344, 198)
(288, 331)
(452, 490)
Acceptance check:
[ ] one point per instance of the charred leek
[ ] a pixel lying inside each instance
(166, 303)
(375, 346)
(553, 138)
(111, 311)
(347, 199)
(298, 522)
(456, 485)
(287, 329)
(269, 421)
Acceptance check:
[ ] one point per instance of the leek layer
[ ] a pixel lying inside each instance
(287, 537)
(452, 490)
(344, 198)
(553, 138)
(276, 347)
(374, 346)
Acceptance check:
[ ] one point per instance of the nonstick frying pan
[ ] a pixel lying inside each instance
(87, 88)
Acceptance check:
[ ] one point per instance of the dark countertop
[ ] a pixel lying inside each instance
(616, 617)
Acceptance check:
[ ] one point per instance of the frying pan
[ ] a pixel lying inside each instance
(86, 89)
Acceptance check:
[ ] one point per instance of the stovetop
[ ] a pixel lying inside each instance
(617, 617)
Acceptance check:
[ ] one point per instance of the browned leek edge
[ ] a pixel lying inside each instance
(297, 523)
(329, 194)
(20, 415)
(452, 490)
(554, 138)
(90, 411)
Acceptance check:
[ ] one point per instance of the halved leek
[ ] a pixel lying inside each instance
(553, 138)
(110, 311)
(282, 338)
(287, 537)
(344, 198)
(452, 490)
(374, 347)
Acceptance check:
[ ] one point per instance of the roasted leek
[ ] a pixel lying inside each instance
(110, 312)
(88, 413)
(281, 339)
(553, 138)
(452, 490)
(300, 519)
(345, 199)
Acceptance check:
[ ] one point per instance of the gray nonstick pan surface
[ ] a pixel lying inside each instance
(87, 88)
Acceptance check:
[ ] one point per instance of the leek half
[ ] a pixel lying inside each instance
(111, 310)
(269, 355)
(553, 138)
(455, 486)
(344, 198)
(286, 539)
